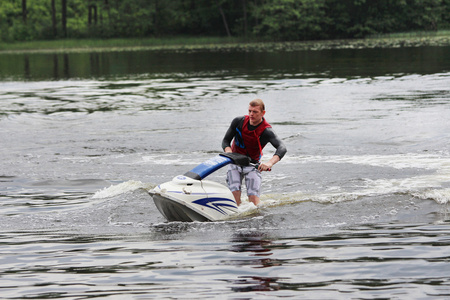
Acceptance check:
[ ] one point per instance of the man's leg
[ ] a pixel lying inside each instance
(237, 197)
(254, 199)
(253, 183)
(234, 179)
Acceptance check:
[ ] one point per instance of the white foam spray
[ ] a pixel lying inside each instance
(121, 188)
(429, 186)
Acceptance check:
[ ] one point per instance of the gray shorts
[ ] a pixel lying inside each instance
(252, 176)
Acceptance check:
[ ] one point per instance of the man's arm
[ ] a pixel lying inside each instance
(229, 135)
(269, 136)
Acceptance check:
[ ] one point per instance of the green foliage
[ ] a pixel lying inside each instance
(292, 19)
(267, 19)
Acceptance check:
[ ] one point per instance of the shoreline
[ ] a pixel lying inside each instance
(224, 45)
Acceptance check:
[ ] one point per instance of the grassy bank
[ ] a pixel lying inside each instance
(85, 44)
(188, 44)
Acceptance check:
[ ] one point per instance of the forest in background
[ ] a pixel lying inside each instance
(276, 20)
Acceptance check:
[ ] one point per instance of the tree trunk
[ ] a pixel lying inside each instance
(156, 19)
(24, 11)
(108, 12)
(92, 14)
(223, 18)
(64, 17)
(55, 32)
(244, 4)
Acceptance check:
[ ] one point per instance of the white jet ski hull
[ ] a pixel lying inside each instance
(189, 197)
(186, 199)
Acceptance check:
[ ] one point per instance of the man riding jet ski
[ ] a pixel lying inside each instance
(189, 198)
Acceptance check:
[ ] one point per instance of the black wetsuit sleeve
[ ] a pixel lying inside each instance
(269, 136)
(231, 132)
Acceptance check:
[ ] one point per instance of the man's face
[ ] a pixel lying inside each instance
(256, 114)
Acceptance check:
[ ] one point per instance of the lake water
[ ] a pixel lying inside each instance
(358, 208)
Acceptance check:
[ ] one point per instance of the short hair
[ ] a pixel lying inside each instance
(258, 102)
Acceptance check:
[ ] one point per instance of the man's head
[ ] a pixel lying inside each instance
(259, 103)
(256, 111)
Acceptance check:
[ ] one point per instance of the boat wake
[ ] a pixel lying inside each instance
(121, 188)
(416, 178)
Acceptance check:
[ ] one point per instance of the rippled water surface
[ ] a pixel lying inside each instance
(358, 208)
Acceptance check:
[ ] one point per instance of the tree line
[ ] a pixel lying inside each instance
(22, 20)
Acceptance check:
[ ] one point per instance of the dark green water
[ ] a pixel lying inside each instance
(300, 64)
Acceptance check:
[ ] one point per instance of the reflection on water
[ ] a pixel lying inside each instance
(251, 242)
(151, 64)
(257, 245)
(255, 283)
(354, 258)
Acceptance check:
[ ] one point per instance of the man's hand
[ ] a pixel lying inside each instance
(268, 165)
(265, 167)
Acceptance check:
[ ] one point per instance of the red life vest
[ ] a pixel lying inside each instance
(247, 141)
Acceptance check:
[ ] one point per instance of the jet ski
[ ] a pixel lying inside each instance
(189, 197)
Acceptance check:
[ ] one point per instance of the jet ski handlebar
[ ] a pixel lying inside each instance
(241, 160)
(215, 163)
